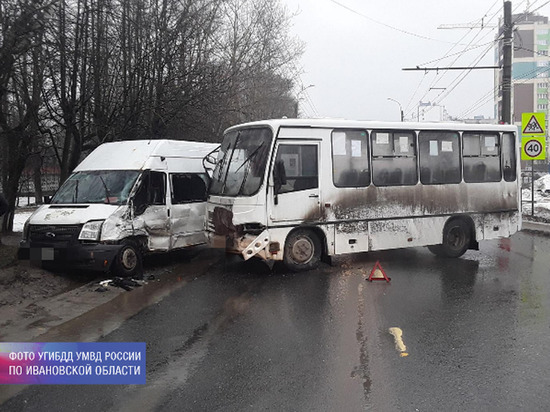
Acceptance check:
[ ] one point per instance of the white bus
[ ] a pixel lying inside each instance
(299, 190)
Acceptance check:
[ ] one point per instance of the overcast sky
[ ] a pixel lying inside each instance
(355, 51)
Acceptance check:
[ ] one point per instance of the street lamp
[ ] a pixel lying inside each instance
(298, 98)
(400, 107)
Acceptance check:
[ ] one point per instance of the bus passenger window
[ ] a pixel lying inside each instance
(350, 158)
(508, 154)
(481, 157)
(393, 158)
(439, 157)
(300, 165)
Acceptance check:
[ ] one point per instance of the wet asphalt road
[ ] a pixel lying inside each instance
(475, 336)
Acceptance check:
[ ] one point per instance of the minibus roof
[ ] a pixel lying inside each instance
(137, 154)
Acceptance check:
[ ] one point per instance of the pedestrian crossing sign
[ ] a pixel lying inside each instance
(533, 124)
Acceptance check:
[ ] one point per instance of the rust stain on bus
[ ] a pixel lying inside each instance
(386, 202)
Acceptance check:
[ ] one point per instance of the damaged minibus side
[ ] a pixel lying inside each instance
(124, 200)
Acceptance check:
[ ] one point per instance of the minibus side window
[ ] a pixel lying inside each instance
(188, 187)
(152, 191)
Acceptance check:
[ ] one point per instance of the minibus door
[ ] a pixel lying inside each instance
(295, 193)
(150, 211)
(188, 198)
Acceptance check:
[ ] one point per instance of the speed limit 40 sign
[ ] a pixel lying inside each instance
(533, 148)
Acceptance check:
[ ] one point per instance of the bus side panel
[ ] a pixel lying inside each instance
(498, 225)
(394, 234)
(351, 237)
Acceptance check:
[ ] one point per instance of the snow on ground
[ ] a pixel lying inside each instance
(542, 198)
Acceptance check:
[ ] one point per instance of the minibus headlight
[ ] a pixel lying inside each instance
(91, 230)
(26, 229)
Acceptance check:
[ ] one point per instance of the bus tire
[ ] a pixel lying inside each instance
(456, 238)
(302, 250)
(436, 249)
(128, 261)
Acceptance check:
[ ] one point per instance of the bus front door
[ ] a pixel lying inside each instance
(295, 194)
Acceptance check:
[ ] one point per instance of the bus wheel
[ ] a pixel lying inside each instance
(302, 250)
(456, 238)
(128, 262)
(436, 250)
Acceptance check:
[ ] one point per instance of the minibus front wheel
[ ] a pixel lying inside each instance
(129, 262)
(302, 250)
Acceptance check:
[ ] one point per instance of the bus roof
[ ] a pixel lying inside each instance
(370, 124)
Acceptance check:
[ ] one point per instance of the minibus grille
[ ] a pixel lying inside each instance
(53, 234)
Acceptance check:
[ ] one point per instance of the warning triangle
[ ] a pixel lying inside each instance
(377, 273)
(533, 127)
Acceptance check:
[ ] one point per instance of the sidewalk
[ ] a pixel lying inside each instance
(535, 226)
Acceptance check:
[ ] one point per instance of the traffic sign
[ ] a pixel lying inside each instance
(533, 124)
(533, 148)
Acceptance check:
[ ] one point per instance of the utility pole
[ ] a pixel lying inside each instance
(506, 112)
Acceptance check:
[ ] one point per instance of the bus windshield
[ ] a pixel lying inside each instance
(241, 162)
(107, 186)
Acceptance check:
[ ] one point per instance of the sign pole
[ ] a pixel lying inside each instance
(533, 144)
(532, 188)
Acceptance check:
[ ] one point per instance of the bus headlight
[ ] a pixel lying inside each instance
(91, 230)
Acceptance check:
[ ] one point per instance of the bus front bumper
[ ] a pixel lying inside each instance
(247, 245)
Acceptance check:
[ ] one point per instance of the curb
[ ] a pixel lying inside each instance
(535, 226)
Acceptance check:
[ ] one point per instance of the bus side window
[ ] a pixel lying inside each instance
(481, 157)
(439, 157)
(508, 154)
(300, 165)
(350, 158)
(393, 158)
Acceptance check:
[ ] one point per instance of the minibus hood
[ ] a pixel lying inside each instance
(71, 214)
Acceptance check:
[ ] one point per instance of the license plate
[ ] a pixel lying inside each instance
(47, 253)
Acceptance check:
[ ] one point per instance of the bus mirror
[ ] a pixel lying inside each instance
(279, 175)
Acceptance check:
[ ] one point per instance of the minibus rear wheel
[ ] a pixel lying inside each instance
(129, 262)
(302, 250)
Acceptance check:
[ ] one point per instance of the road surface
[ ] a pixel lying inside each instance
(444, 334)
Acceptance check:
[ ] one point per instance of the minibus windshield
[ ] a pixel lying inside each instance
(241, 162)
(105, 186)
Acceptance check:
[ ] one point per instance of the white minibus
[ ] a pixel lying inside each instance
(125, 199)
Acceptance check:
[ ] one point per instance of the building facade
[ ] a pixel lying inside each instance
(530, 68)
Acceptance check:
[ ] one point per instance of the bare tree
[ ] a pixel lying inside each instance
(77, 73)
(21, 78)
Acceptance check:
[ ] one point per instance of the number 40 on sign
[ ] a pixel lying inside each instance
(533, 148)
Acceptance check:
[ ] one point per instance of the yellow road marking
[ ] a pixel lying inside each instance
(399, 344)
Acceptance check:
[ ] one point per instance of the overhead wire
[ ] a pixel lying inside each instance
(490, 95)
(438, 79)
(420, 36)
(462, 76)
